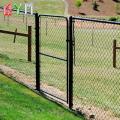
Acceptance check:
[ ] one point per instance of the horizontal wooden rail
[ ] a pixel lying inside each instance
(117, 47)
(29, 35)
(14, 33)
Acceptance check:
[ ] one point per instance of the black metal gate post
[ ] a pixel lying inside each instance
(67, 60)
(70, 64)
(37, 52)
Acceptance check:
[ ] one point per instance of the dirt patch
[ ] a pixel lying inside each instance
(105, 8)
(89, 111)
(95, 113)
(16, 75)
(28, 81)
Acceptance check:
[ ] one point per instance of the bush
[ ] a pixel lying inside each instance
(118, 19)
(112, 19)
(95, 5)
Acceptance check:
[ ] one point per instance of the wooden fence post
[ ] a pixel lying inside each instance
(114, 53)
(29, 43)
(15, 36)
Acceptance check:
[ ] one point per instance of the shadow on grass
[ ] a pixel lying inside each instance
(116, 1)
(82, 13)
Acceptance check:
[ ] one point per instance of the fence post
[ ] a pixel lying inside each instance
(15, 36)
(70, 64)
(46, 27)
(114, 53)
(37, 52)
(29, 43)
(26, 22)
(23, 18)
(8, 21)
(4, 17)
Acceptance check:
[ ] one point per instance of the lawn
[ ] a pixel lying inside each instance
(18, 103)
(56, 7)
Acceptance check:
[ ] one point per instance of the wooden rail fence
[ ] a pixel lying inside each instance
(29, 35)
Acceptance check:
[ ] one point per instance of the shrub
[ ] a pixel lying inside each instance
(78, 3)
(118, 19)
(95, 5)
(112, 19)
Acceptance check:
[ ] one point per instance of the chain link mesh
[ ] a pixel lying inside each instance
(96, 83)
(53, 36)
(15, 55)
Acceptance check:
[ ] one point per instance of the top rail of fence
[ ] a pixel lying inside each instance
(96, 20)
(20, 10)
(53, 16)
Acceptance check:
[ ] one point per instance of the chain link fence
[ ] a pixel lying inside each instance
(96, 83)
(54, 56)
(14, 48)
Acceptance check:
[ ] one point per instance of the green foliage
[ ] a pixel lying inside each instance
(78, 3)
(118, 19)
(95, 5)
(112, 19)
(117, 7)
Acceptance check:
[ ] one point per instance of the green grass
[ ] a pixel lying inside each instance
(18, 103)
(56, 7)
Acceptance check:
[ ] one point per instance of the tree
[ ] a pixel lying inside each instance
(78, 3)
(95, 5)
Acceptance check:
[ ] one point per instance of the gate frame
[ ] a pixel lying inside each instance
(38, 39)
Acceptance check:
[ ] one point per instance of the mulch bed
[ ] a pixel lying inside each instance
(105, 8)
